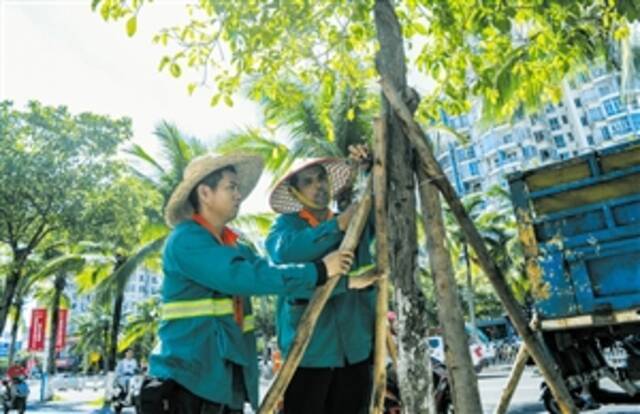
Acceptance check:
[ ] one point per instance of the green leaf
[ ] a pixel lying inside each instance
(165, 60)
(105, 10)
(228, 101)
(175, 70)
(191, 87)
(215, 99)
(132, 25)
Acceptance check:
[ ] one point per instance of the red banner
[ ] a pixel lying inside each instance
(61, 335)
(37, 329)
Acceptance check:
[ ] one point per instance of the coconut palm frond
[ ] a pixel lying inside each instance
(140, 153)
(276, 155)
(123, 273)
(251, 224)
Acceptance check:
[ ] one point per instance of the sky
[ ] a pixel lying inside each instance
(59, 52)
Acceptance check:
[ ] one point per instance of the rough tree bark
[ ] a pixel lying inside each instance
(14, 330)
(462, 376)
(115, 330)
(116, 318)
(414, 371)
(19, 258)
(59, 285)
(538, 350)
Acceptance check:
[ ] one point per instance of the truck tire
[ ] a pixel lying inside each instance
(549, 402)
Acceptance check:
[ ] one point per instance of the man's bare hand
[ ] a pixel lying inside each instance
(363, 282)
(360, 153)
(338, 262)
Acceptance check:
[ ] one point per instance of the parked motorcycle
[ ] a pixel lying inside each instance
(125, 392)
(14, 394)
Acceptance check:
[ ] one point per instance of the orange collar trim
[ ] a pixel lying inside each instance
(308, 216)
(229, 237)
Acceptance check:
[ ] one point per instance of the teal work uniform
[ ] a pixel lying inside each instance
(344, 331)
(213, 356)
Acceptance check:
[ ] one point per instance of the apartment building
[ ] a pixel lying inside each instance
(592, 114)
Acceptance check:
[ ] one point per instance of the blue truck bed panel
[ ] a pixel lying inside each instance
(579, 221)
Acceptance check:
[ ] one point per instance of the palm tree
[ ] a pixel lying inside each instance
(310, 133)
(495, 221)
(141, 327)
(176, 152)
(109, 276)
(92, 333)
(48, 292)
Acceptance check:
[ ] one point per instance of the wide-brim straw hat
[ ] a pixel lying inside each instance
(340, 173)
(248, 168)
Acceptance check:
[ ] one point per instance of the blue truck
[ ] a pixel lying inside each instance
(579, 224)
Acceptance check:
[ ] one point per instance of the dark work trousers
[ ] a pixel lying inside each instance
(185, 402)
(343, 390)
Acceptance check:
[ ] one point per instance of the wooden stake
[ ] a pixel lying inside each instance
(311, 314)
(516, 373)
(514, 379)
(462, 377)
(382, 259)
(537, 348)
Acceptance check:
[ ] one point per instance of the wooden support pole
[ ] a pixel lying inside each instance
(516, 373)
(514, 379)
(311, 314)
(462, 376)
(537, 348)
(382, 259)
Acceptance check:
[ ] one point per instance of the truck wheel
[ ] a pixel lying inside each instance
(549, 402)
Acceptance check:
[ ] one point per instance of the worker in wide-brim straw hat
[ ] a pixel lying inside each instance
(206, 358)
(335, 372)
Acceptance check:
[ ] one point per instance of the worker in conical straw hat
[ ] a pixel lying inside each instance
(207, 348)
(335, 372)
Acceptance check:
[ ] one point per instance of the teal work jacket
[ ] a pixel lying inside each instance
(213, 356)
(344, 331)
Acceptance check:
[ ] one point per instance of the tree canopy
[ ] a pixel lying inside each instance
(52, 161)
(53, 164)
(509, 54)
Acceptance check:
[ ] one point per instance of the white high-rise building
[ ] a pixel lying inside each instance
(142, 285)
(590, 115)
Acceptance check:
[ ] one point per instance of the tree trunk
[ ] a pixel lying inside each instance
(104, 353)
(10, 287)
(112, 353)
(462, 376)
(537, 348)
(14, 331)
(59, 285)
(414, 365)
(115, 329)
(470, 289)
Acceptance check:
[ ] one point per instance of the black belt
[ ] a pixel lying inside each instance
(298, 302)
